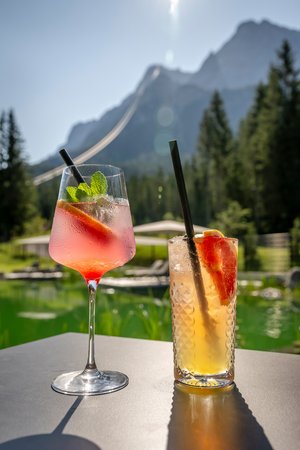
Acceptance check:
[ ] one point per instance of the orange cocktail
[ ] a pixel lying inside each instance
(204, 322)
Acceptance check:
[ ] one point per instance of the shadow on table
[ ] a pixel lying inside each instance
(213, 420)
(52, 441)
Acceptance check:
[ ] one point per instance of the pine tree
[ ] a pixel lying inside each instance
(17, 193)
(214, 147)
(248, 186)
(289, 154)
(279, 140)
(269, 148)
(47, 196)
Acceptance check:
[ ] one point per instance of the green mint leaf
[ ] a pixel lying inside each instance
(83, 191)
(71, 194)
(98, 184)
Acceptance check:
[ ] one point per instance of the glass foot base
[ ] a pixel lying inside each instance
(202, 381)
(209, 383)
(89, 382)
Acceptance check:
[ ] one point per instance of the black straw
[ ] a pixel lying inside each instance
(68, 160)
(181, 189)
(189, 227)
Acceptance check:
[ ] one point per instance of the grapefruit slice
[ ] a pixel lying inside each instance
(219, 256)
(89, 223)
(213, 233)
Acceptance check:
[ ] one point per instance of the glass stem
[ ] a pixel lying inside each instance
(92, 288)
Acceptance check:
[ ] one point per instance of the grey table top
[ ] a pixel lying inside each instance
(262, 412)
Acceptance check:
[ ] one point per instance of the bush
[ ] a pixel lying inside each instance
(295, 243)
(235, 222)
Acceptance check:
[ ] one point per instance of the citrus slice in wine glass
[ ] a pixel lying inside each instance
(90, 224)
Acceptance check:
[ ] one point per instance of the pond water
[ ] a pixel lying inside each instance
(35, 310)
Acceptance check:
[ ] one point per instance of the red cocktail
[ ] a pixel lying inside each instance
(92, 233)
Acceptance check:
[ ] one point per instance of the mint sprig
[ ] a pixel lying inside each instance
(85, 192)
(99, 183)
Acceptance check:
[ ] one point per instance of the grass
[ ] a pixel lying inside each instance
(271, 259)
(274, 259)
(12, 258)
(146, 254)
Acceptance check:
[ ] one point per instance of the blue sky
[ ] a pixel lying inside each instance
(69, 61)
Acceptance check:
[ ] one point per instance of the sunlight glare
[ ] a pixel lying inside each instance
(173, 9)
(169, 57)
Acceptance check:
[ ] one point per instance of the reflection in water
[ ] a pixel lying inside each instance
(53, 441)
(36, 310)
(268, 324)
(32, 311)
(274, 321)
(213, 420)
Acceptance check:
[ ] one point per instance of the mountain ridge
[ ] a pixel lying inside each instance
(170, 102)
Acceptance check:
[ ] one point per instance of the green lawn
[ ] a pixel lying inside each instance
(271, 259)
(274, 259)
(146, 254)
(12, 258)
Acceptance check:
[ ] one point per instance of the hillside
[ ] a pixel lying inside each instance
(169, 103)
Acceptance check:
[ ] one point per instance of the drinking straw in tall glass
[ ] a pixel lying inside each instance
(203, 283)
(204, 332)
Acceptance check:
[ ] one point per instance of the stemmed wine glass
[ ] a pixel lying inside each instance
(92, 233)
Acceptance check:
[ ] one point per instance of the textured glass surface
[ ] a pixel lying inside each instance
(203, 328)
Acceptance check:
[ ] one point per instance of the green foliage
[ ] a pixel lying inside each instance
(273, 259)
(152, 196)
(36, 226)
(145, 255)
(84, 192)
(30, 311)
(12, 258)
(18, 202)
(295, 243)
(246, 182)
(98, 183)
(235, 222)
(272, 281)
(47, 196)
(251, 259)
(71, 193)
(269, 149)
(243, 185)
(214, 147)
